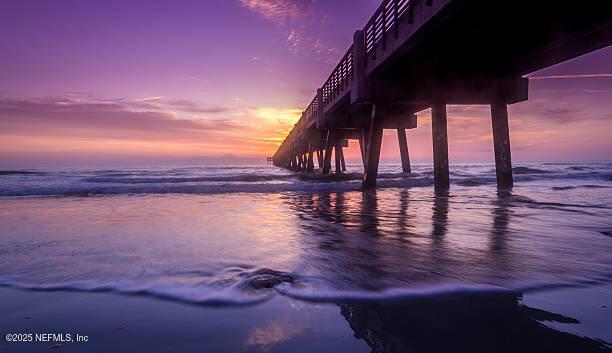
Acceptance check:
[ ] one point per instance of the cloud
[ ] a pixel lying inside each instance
(280, 11)
(183, 105)
(191, 107)
(299, 42)
(43, 131)
(61, 116)
(295, 16)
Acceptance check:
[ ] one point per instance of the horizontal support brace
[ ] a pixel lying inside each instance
(454, 91)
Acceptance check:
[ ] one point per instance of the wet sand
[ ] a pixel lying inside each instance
(565, 320)
(117, 323)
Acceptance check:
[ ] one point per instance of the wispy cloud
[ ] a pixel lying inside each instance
(295, 17)
(281, 11)
(191, 107)
(182, 105)
(63, 116)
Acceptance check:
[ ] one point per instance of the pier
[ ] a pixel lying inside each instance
(414, 55)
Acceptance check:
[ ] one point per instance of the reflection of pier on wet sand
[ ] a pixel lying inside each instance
(372, 240)
(462, 322)
(403, 235)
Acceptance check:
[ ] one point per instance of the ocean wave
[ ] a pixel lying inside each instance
(247, 288)
(222, 180)
(184, 294)
(335, 296)
(178, 180)
(261, 285)
(19, 172)
(579, 168)
(161, 189)
(560, 206)
(308, 184)
(527, 170)
(587, 186)
(475, 181)
(301, 183)
(314, 290)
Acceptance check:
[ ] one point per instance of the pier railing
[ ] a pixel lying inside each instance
(340, 78)
(312, 111)
(386, 19)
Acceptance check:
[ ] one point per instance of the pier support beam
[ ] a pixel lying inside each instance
(300, 163)
(305, 158)
(329, 147)
(362, 147)
(373, 145)
(403, 147)
(440, 146)
(501, 142)
(294, 160)
(310, 157)
(338, 155)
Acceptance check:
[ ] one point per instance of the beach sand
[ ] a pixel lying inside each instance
(564, 320)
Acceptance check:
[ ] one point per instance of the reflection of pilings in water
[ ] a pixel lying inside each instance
(404, 216)
(501, 219)
(499, 254)
(306, 202)
(369, 212)
(325, 207)
(341, 250)
(439, 216)
(356, 210)
(439, 260)
(339, 207)
(476, 322)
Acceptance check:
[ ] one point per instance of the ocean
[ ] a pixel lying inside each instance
(240, 236)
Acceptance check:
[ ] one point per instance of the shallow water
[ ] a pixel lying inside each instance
(266, 179)
(185, 234)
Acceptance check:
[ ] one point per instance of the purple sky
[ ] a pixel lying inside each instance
(133, 82)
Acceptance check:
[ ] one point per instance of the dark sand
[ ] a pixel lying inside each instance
(567, 320)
